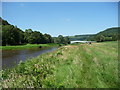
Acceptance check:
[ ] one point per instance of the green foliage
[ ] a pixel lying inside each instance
(110, 34)
(27, 35)
(4, 22)
(48, 38)
(27, 46)
(80, 37)
(11, 35)
(61, 40)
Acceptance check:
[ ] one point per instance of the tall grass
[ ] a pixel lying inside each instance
(72, 66)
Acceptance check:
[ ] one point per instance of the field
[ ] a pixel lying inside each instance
(71, 66)
(27, 46)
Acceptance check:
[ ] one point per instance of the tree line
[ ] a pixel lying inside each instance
(12, 35)
(110, 34)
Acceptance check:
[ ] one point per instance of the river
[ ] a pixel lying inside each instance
(12, 57)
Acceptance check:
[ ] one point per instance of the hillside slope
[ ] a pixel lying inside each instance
(4, 22)
(109, 31)
(80, 37)
(110, 34)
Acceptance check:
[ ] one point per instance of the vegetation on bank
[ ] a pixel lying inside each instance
(80, 37)
(73, 66)
(27, 46)
(110, 34)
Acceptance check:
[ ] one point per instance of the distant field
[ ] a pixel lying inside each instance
(25, 46)
(72, 66)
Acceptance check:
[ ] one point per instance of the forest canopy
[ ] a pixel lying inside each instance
(12, 35)
(110, 34)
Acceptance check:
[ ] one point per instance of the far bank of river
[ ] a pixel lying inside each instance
(27, 46)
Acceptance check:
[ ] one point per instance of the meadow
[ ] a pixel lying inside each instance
(72, 66)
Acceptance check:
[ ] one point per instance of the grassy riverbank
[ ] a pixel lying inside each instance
(72, 66)
(27, 46)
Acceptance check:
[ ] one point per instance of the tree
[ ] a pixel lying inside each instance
(27, 35)
(60, 39)
(4, 22)
(10, 35)
(48, 38)
(100, 38)
(66, 40)
(55, 40)
(22, 37)
(36, 38)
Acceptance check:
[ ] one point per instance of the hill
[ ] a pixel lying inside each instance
(109, 31)
(4, 22)
(110, 34)
(80, 37)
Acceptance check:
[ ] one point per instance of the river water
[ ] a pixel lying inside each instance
(12, 57)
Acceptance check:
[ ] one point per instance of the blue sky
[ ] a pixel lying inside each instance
(62, 18)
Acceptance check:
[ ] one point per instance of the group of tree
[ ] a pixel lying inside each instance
(61, 40)
(12, 35)
(110, 34)
(80, 37)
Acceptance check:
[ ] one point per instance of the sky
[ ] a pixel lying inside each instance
(62, 18)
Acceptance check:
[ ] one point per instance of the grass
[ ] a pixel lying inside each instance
(27, 46)
(72, 66)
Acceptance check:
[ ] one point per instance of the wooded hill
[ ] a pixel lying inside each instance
(80, 37)
(110, 34)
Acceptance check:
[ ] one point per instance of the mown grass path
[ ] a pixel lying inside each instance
(72, 66)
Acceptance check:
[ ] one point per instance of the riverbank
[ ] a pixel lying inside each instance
(27, 46)
(72, 66)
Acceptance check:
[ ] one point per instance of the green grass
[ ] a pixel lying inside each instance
(27, 46)
(72, 66)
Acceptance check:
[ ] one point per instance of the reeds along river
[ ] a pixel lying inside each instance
(12, 57)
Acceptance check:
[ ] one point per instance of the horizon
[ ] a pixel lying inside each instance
(56, 36)
(65, 17)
